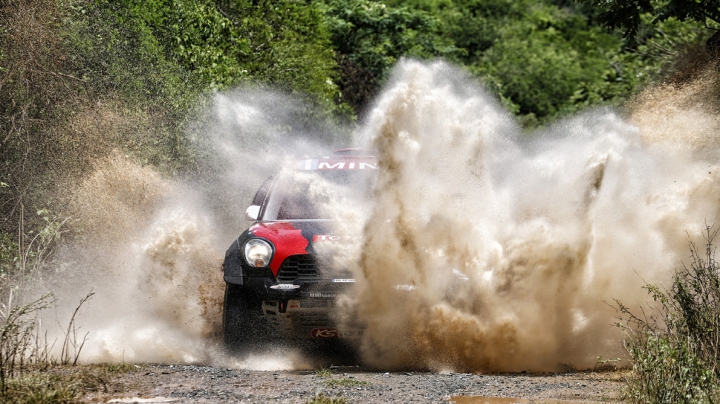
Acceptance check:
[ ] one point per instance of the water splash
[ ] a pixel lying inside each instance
(505, 244)
(542, 227)
(151, 247)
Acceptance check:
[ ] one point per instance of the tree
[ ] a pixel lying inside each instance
(544, 60)
(369, 37)
(627, 14)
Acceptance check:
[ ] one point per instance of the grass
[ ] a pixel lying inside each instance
(321, 398)
(117, 367)
(331, 381)
(25, 353)
(345, 382)
(675, 345)
(63, 383)
(40, 388)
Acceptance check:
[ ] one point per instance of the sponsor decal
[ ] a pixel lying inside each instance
(325, 237)
(350, 334)
(319, 238)
(320, 295)
(316, 303)
(338, 164)
(324, 333)
(343, 280)
(284, 286)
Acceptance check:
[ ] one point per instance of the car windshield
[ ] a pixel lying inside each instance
(317, 194)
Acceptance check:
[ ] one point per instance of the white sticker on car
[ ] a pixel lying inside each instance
(335, 163)
(284, 286)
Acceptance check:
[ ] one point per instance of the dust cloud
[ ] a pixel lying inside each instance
(492, 250)
(150, 247)
(483, 249)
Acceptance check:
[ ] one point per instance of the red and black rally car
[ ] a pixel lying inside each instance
(277, 282)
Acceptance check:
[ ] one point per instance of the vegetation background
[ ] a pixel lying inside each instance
(83, 79)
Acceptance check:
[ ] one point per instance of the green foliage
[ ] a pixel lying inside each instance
(63, 384)
(544, 60)
(675, 352)
(630, 14)
(82, 78)
(324, 373)
(25, 352)
(162, 57)
(541, 58)
(370, 36)
(331, 381)
(228, 42)
(19, 345)
(160, 46)
(25, 254)
(117, 367)
(539, 64)
(40, 388)
(8, 254)
(321, 398)
(35, 98)
(345, 382)
(667, 370)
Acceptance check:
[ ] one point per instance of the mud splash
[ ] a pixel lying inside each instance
(151, 247)
(149, 254)
(510, 242)
(484, 249)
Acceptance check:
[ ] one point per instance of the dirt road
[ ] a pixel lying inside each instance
(197, 384)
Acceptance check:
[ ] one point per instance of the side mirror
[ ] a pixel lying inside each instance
(252, 212)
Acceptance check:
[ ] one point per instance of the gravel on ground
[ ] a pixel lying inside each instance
(204, 384)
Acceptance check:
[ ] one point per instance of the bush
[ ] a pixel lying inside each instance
(675, 349)
(369, 37)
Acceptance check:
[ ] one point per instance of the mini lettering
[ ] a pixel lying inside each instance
(324, 165)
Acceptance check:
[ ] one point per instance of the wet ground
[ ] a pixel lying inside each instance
(198, 384)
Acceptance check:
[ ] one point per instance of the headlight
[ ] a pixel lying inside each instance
(258, 253)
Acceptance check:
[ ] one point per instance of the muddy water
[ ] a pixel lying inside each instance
(502, 400)
(513, 242)
(507, 243)
(150, 247)
(486, 400)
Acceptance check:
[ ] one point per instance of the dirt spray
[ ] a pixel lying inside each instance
(483, 249)
(151, 247)
(492, 250)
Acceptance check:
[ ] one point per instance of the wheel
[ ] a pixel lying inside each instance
(243, 324)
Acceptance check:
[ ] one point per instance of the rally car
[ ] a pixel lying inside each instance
(277, 282)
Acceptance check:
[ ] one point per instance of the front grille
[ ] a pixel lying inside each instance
(298, 267)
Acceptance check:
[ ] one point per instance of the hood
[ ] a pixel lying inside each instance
(293, 237)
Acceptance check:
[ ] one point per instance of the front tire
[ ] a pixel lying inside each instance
(243, 324)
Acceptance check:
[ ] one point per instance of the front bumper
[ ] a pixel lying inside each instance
(306, 309)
